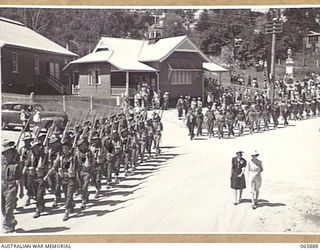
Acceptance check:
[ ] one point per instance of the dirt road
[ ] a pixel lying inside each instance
(187, 188)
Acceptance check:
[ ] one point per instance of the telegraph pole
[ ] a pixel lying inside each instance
(273, 27)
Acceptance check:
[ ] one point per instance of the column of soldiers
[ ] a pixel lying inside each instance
(257, 116)
(66, 163)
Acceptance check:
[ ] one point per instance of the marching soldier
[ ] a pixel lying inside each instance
(199, 121)
(24, 153)
(150, 136)
(110, 151)
(308, 108)
(125, 141)
(266, 117)
(66, 169)
(258, 118)
(230, 117)
(95, 149)
(134, 145)
(117, 154)
(295, 109)
(241, 121)
(252, 117)
(284, 111)
(314, 106)
(38, 161)
(142, 132)
(34, 185)
(220, 120)
(191, 122)
(301, 109)
(11, 175)
(158, 131)
(275, 113)
(83, 161)
(180, 106)
(210, 121)
(54, 180)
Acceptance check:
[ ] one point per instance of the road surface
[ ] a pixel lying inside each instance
(187, 189)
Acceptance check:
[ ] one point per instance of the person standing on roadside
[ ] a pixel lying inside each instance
(37, 123)
(254, 169)
(238, 182)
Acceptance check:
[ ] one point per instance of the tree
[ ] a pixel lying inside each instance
(173, 25)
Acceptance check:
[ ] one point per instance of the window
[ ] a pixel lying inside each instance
(94, 77)
(14, 62)
(57, 71)
(38, 107)
(6, 106)
(17, 107)
(181, 77)
(313, 39)
(36, 65)
(89, 77)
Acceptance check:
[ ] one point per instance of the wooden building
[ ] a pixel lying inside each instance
(313, 41)
(117, 65)
(30, 62)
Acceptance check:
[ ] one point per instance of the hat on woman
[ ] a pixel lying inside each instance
(255, 153)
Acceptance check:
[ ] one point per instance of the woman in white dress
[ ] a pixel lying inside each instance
(255, 168)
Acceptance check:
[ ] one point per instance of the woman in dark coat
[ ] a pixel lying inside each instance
(238, 182)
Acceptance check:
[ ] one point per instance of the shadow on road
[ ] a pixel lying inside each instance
(264, 203)
(99, 213)
(270, 204)
(43, 230)
(121, 192)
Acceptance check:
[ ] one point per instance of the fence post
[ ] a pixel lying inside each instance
(91, 102)
(64, 103)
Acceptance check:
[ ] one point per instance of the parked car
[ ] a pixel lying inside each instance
(11, 111)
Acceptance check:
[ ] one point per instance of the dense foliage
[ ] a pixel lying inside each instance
(236, 34)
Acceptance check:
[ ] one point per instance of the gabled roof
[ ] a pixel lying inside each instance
(160, 49)
(117, 61)
(312, 33)
(16, 34)
(213, 67)
(130, 54)
(101, 56)
(123, 47)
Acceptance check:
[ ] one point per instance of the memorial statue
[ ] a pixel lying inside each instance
(289, 53)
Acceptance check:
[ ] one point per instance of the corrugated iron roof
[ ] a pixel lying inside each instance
(100, 56)
(213, 67)
(130, 54)
(114, 59)
(160, 49)
(16, 34)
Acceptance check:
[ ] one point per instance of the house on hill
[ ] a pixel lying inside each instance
(313, 41)
(31, 62)
(117, 65)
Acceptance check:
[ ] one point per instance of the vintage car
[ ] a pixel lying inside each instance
(10, 112)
